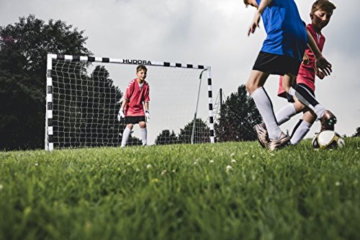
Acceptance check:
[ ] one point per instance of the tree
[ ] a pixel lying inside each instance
(237, 117)
(23, 49)
(166, 137)
(357, 134)
(133, 141)
(85, 113)
(201, 134)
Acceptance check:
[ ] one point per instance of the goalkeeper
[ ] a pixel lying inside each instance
(132, 108)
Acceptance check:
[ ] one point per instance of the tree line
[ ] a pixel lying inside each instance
(24, 46)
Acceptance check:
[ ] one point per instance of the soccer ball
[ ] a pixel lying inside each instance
(328, 139)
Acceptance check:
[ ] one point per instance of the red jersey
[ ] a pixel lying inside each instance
(136, 95)
(306, 73)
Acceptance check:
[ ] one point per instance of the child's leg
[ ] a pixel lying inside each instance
(263, 102)
(303, 95)
(143, 132)
(285, 113)
(126, 134)
(303, 127)
(289, 110)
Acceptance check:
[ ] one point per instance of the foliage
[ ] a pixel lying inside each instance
(357, 134)
(201, 134)
(238, 115)
(22, 71)
(166, 137)
(85, 107)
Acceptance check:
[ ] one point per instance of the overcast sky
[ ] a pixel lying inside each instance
(209, 32)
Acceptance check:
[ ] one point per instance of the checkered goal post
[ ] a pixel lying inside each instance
(84, 94)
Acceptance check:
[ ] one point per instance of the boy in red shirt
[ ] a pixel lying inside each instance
(281, 54)
(320, 15)
(132, 108)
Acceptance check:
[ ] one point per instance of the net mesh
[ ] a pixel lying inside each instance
(87, 97)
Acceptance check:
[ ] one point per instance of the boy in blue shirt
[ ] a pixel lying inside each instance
(281, 54)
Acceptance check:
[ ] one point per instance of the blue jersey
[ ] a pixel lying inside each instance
(286, 32)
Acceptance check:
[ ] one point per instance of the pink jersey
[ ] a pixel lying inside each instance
(136, 95)
(306, 73)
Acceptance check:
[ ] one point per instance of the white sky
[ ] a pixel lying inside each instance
(208, 32)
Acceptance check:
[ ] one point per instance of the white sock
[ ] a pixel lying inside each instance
(143, 132)
(264, 105)
(285, 113)
(300, 131)
(125, 136)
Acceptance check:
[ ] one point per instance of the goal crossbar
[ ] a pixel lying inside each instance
(49, 128)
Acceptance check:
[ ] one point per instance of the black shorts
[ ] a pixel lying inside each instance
(276, 64)
(290, 98)
(134, 119)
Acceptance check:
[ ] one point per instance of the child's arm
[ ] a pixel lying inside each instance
(123, 104)
(146, 106)
(260, 10)
(263, 5)
(321, 62)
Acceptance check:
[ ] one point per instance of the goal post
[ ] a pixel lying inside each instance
(83, 96)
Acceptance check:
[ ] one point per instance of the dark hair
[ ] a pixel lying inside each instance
(141, 67)
(323, 5)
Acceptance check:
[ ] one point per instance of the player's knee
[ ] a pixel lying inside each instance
(142, 124)
(250, 87)
(299, 106)
(130, 126)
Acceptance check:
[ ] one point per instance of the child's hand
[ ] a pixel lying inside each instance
(319, 74)
(120, 114)
(323, 66)
(255, 23)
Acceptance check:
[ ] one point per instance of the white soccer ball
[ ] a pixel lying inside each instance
(328, 139)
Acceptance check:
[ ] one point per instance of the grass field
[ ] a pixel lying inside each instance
(210, 191)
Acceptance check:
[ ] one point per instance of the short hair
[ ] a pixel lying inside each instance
(324, 5)
(141, 67)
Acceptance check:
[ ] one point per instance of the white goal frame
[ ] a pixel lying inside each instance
(49, 133)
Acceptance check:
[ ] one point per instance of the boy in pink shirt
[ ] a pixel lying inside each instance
(132, 108)
(320, 15)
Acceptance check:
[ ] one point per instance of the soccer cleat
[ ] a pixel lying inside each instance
(282, 141)
(328, 120)
(262, 134)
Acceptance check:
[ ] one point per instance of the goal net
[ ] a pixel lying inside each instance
(84, 95)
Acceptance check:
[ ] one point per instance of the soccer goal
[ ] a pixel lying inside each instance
(84, 94)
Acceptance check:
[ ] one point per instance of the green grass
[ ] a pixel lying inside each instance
(210, 191)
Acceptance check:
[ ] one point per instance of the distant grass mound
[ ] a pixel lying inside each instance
(207, 191)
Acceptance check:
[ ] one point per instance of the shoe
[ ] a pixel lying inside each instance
(328, 120)
(279, 143)
(262, 134)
